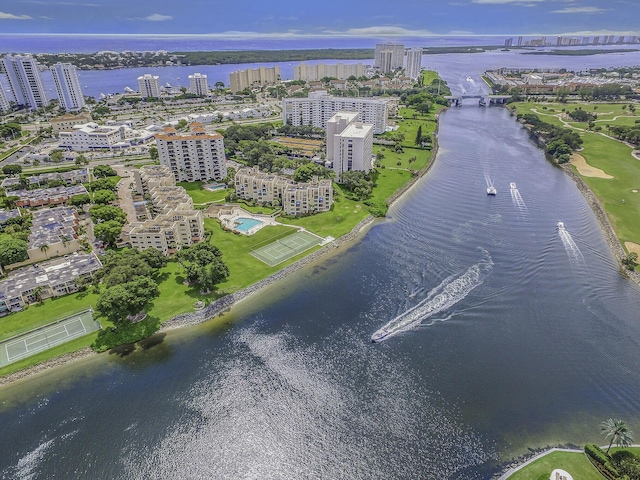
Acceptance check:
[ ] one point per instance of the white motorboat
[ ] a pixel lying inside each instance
(491, 191)
(513, 185)
(560, 225)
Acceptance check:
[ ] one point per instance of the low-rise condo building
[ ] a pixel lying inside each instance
(295, 198)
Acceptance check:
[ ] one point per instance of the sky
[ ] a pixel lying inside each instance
(243, 18)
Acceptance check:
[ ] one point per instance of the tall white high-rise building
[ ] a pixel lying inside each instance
(198, 84)
(25, 81)
(349, 143)
(149, 86)
(4, 103)
(414, 62)
(192, 156)
(388, 56)
(319, 107)
(70, 94)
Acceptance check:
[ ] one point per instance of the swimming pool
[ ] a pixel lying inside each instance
(244, 224)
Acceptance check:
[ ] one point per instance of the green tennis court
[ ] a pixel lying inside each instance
(43, 338)
(286, 248)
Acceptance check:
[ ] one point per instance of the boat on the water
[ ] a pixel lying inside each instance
(379, 336)
(491, 191)
(560, 225)
(513, 185)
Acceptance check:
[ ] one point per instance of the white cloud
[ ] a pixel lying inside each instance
(580, 10)
(382, 30)
(156, 17)
(11, 16)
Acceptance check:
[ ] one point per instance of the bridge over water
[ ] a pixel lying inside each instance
(483, 100)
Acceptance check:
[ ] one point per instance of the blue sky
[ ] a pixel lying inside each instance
(329, 17)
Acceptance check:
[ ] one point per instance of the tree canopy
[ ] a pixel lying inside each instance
(12, 250)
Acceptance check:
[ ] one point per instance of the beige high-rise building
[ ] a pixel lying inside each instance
(198, 84)
(253, 77)
(193, 156)
(341, 71)
(388, 56)
(349, 143)
(149, 86)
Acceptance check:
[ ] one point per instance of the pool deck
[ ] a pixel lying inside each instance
(229, 219)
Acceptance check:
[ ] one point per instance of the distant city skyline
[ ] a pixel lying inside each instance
(289, 18)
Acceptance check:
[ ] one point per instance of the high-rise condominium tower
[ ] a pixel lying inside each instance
(70, 94)
(25, 81)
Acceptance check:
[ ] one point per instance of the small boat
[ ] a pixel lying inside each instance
(560, 225)
(513, 185)
(491, 191)
(379, 336)
(482, 102)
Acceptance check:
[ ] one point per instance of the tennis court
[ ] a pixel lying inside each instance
(286, 248)
(43, 338)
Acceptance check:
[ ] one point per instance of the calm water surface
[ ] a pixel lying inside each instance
(541, 347)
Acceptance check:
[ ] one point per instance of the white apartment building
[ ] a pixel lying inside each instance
(192, 156)
(319, 107)
(25, 81)
(296, 198)
(65, 77)
(91, 136)
(341, 71)
(4, 103)
(349, 143)
(414, 62)
(198, 84)
(254, 77)
(149, 86)
(388, 56)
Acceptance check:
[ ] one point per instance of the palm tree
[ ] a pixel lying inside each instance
(619, 432)
(43, 248)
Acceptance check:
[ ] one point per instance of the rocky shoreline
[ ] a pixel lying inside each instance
(605, 225)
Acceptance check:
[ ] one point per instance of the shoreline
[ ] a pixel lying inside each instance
(225, 303)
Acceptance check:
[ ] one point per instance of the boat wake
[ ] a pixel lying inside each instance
(575, 255)
(444, 296)
(516, 198)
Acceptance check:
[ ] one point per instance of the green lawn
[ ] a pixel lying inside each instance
(574, 463)
(200, 195)
(428, 76)
(340, 220)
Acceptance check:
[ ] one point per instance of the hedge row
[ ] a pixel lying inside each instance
(601, 460)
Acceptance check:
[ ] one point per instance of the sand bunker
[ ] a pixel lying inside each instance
(632, 247)
(634, 191)
(585, 169)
